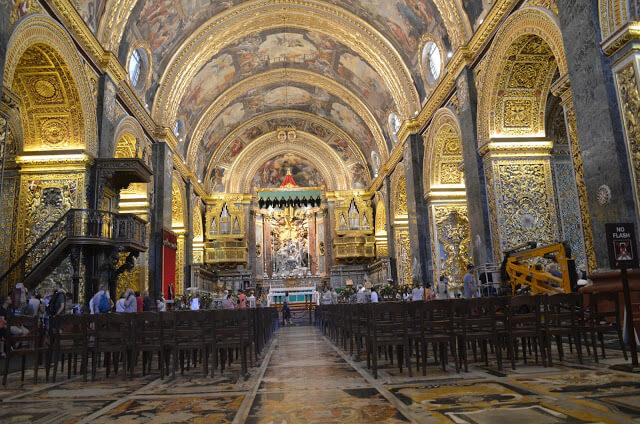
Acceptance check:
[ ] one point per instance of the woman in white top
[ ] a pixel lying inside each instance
(120, 304)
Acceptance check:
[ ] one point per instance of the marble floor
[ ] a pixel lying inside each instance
(303, 378)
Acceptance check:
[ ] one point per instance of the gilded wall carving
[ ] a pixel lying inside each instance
(53, 121)
(515, 76)
(630, 105)
(453, 251)
(7, 217)
(403, 257)
(523, 202)
(129, 279)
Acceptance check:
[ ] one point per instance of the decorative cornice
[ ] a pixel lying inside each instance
(620, 38)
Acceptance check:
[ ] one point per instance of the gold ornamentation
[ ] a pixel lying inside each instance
(45, 89)
(529, 39)
(613, 14)
(454, 240)
(128, 279)
(524, 192)
(443, 151)
(48, 45)
(630, 105)
(399, 192)
(450, 174)
(54, 131)
(247, 18)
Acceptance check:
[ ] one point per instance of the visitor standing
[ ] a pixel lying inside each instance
(374, 296)
(101, 303)
(418, 292)
(161, 304)
(130, 302)
(252, 300)
(242, 299)
(57, 302)
(470, 289)
(147, 302)
(139, 302)
(286, 310)
(120, 304)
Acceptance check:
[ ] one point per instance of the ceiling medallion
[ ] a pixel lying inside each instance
(45, 89)
(54, 131)
(604, 195)
(287, 134)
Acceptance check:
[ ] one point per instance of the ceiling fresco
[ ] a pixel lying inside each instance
(267, 50)
(300, 97)
(165, 25)
(272, 173)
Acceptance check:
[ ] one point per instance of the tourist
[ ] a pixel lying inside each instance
(147, 302)
(334, 296)
(417, 293)
(130, 302)
(100, 303)
(230, 302)
(58, 301)
(139, 302)
(161, 304)
(120, 304)
(32, 307)
(286, 310)
(374, 296)
(443, 288)
(5, 313)
(242, 299)
(18, 297)
(470, 289)
(252, 300)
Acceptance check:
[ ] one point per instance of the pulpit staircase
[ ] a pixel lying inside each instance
(76, 228)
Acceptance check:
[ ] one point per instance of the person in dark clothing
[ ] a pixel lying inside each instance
(147, 302)
(58, 301)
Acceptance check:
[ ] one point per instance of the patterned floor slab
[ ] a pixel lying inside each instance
(220, 409)
(324, 406)
(303, 378)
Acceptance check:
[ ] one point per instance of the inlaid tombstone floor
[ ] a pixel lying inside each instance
(303, 378)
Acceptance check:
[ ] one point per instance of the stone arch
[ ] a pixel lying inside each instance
(325, 159)
(130, 130)
(443, 152)
(41, 36)
(289, 75)
(292, 114)
(249, 17)
(532, 31)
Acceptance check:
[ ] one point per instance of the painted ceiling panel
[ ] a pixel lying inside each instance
(269, 50)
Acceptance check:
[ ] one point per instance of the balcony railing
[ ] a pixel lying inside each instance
(78, 227)
(226, 252)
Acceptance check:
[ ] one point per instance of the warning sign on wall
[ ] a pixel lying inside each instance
(621, 241)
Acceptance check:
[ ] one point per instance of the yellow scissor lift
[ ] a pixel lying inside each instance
(516, 272)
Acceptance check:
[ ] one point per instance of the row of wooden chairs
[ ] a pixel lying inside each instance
(505, 326)
(119, 340)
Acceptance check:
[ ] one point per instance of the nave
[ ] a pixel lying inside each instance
(302, 377)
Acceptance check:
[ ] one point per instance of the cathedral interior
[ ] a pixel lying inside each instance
(205, 146)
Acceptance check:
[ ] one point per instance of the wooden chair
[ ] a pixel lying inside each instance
(437, 328)
(479, 326)
(524, 322)
(112, 334)
(388, 328)
(601, 319)
(68, 336)
(29, 344)
(188, 337)
(231, 335)
(561, 319)
(148, 339)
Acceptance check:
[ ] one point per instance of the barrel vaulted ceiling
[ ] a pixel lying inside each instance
(231, 69)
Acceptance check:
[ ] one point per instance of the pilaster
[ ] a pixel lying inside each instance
(391, 246)
(607, 177)
(421, 260)
(474, 174)
(162, 162)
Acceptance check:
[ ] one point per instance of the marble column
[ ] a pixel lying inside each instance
(421, 260)
(607, 177)
(475, 184)
(162, 163)
(188, 237)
